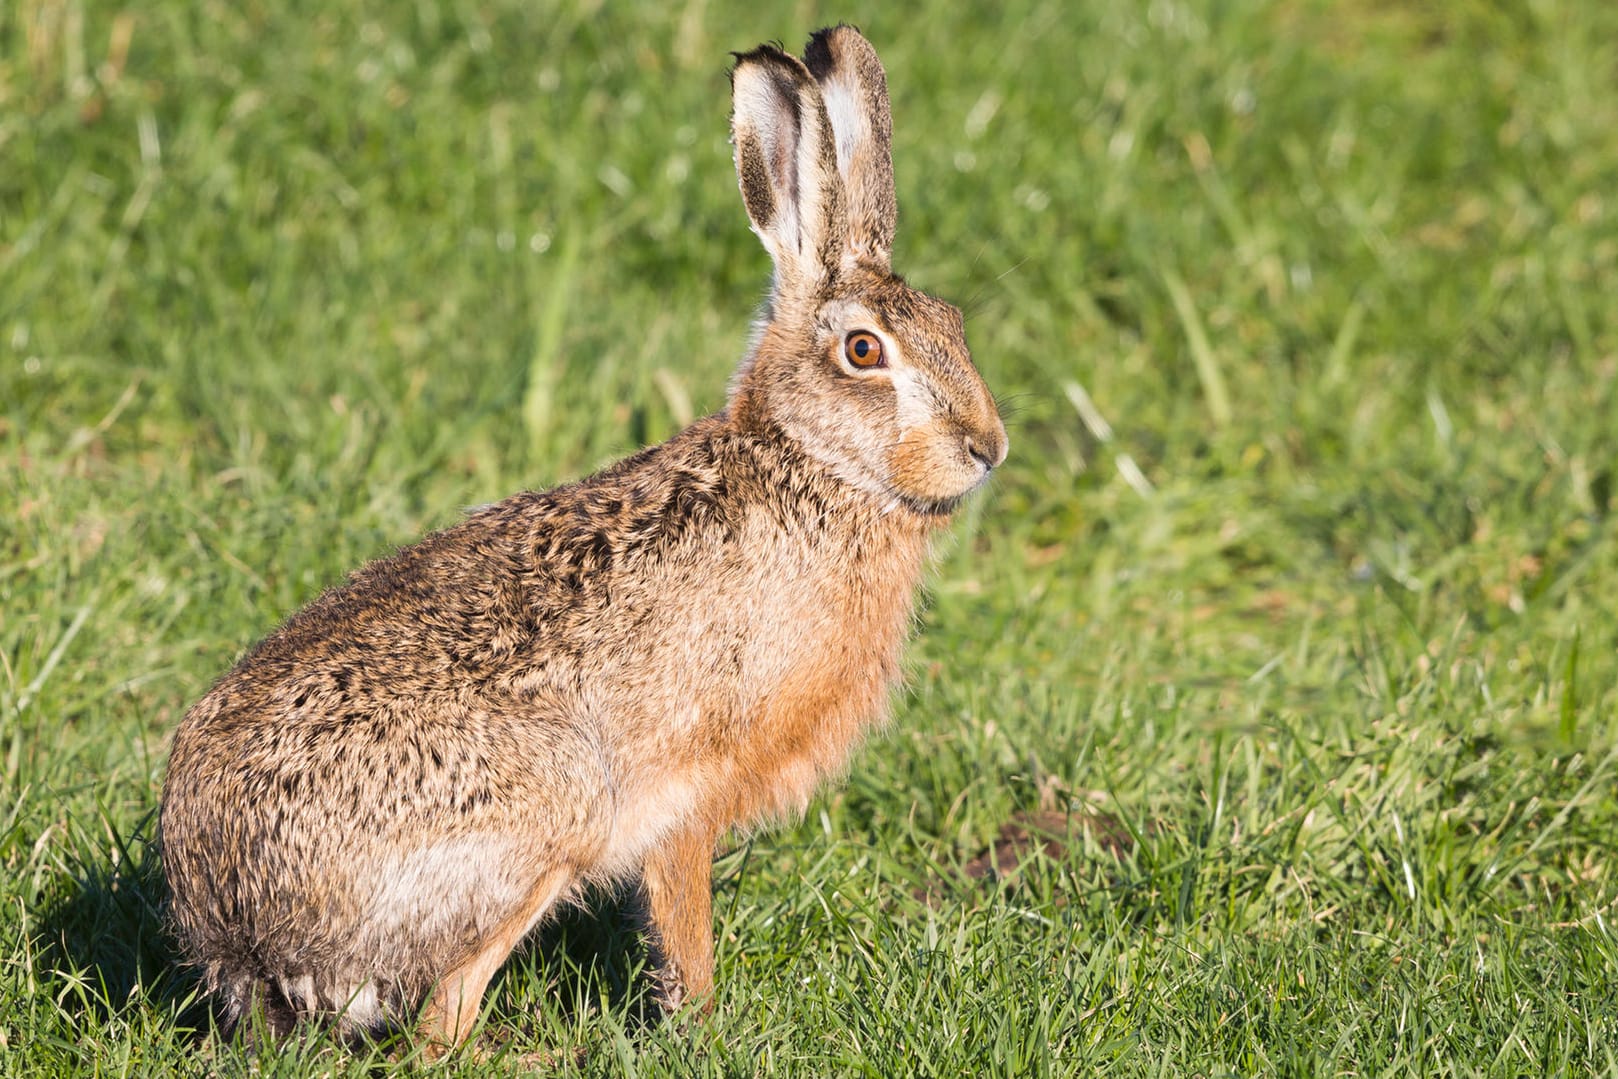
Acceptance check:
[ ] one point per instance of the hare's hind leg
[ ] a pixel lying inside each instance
(254, 1009)
(452, 1010)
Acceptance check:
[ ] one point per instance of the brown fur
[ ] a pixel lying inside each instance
(595, 683)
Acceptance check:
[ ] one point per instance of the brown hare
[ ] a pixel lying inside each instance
(593, 684)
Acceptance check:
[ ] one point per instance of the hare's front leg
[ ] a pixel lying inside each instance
(676, 899)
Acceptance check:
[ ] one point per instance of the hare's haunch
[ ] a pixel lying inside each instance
(594, 683)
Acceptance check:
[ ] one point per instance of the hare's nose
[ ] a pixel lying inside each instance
(990, 451)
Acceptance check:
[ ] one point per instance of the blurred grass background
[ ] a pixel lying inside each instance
(1290, 620)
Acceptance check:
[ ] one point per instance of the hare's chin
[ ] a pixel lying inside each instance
(937, 505)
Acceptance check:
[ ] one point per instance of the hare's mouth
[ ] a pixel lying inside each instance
(935, 473)
(944, 489)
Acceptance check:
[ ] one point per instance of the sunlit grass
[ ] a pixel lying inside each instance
(1296, 596)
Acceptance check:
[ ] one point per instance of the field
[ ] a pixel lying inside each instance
(1263, 719)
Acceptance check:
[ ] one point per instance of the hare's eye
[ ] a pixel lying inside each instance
(864, 349)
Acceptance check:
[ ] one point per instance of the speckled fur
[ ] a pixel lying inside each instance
(595, 683)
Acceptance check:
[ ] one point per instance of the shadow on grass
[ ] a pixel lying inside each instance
(587, 960)
(103, 949)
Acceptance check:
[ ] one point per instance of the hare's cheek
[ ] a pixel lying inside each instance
(914, 405)
(929, 463)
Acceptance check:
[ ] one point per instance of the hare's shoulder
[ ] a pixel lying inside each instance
(472, 594)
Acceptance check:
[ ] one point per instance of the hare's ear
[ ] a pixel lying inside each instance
(855, 92)
(787, 167)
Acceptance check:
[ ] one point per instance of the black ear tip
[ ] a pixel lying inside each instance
(817, 55)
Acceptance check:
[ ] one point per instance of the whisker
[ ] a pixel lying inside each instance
(1014, 269)
(971, 307)
(1010, 406)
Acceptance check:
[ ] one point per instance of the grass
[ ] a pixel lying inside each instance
(1295, 603)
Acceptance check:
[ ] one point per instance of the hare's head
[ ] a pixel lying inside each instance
(870, 376)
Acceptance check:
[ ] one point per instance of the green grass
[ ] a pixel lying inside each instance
(1298, 589)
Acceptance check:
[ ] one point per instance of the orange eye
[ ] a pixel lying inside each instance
(864, 349)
